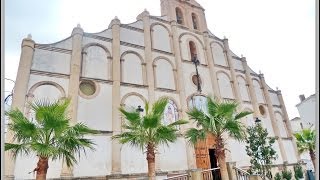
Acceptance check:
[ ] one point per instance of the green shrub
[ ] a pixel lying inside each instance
(277, 176)
(298, 172)
(286, 174)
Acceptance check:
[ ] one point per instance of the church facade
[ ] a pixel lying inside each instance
(129, 64)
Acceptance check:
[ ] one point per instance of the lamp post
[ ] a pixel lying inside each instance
(139, 109)
(196, 62)
(257, 120)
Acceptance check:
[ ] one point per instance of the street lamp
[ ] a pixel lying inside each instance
(196, 62)
(139, 109)
(257, 120)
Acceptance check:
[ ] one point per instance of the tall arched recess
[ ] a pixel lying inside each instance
(96, 62)
(258, 90)
(42, 90)
(132, 68)
(218, 54)
(243, 87)
(225, 86)
(132, 159)
(161, 39)
(164, 74)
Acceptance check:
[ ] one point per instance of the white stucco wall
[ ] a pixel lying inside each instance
(164, 74)
(307, 111)
(289, 149)
(276, 147)
(26, 164)
(133, 160)
(218, 54)
(125, 90)
(185, 49)
(131, 69)
(274, 98)
(106, 33)
(97, 162)
(266, 123)
(50, 61)
(281, 125)
(190, 88)
(258, 91)
(160, 38)
(240, 157)
(131, 36)
(34, 79)
(174, 156)
(87, 41)
(238, 64)
(95, 63)
(225, 87)
(97, 112)
(64, 44)
(243, 88)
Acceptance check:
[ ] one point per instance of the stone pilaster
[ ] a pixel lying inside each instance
(74, 81)
(19, 95)
(116, 120)
(252, 93)
(272, 118)
(233, 74)
(145, 16)
(213, 74)
(182, 95)
(288, 124)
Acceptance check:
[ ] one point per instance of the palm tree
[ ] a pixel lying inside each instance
(148, 132)
(222, 118)
(306, 141)
(50, 136)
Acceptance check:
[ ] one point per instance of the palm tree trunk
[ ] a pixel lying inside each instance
(221, 159)
(42, 167)
(151, 162)
(313, 158)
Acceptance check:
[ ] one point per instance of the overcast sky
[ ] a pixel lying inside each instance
(276, 36)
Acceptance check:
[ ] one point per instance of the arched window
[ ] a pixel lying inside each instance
(170, 114)
(179, 16)
(194, 21)
(193, 49)
(199, 102)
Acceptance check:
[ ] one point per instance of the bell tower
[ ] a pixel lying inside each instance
(187, 13)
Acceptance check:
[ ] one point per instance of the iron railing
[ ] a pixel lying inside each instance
(211, 174)
(179, 177)
(241, 174)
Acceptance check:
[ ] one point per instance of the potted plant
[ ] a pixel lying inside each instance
(298, 172)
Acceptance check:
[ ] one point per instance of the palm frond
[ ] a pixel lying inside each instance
(242, 114)
(159, 106)
(133, 138)
(151, 121)
(132, 116)
(199, 117)
(164, 135)
(194, 135)
(17, 149)
(23, 129)
(179, 122)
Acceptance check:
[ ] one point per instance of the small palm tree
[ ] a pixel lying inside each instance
(306, 141)
(148, 132)
(221, 118)
(50, 136)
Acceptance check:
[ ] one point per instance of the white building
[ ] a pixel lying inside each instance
(128, 64)
(307, 111)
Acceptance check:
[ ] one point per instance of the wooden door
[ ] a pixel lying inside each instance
(202, 155)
